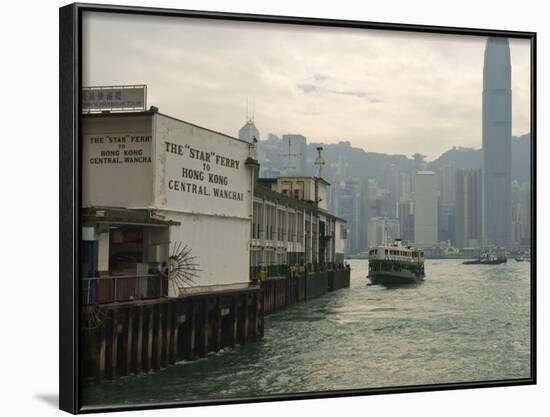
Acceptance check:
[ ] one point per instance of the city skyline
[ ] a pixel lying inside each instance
(388, 92)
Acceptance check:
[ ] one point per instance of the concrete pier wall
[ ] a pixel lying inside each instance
(316, 284)
(338, 278)
(279, 292)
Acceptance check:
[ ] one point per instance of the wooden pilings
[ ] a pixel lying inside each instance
(147, 336)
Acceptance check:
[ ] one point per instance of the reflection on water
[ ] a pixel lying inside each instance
(463, 323)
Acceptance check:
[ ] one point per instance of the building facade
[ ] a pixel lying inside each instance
(295, 154)
(178, 207)
(406, 220)
(349, 199)
(163, 195)
(468, 208)
(292, 225)
(521, 213)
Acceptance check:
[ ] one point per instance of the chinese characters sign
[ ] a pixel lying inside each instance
(114, 98)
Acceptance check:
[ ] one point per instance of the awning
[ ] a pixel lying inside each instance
(129, 217)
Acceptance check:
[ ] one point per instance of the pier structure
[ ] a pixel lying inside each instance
(184, 249)
(296, 241)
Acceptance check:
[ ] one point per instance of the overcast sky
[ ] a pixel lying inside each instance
(383, 91)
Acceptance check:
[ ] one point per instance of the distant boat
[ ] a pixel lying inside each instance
(525, 258)
(396, 264)
(487, 259)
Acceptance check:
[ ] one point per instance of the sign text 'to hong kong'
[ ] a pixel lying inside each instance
(207, 177)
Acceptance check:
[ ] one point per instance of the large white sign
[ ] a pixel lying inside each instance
(201, 171)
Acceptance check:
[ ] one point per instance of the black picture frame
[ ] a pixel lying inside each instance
(70, 83)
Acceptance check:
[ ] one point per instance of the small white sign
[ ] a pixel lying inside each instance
(114, 98)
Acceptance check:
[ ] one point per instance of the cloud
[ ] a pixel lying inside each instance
(321, 82)
(311, 88)
(358, 94)
(308, 88)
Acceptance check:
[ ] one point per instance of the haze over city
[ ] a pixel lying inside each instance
(353, 182)
(389, 92)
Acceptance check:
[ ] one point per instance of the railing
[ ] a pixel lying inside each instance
(113, 288)
(284, 270)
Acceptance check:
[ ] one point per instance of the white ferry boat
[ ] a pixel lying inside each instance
(396, 264)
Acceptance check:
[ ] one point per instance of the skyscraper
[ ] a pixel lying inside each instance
(406, 220)
(295, 153)
(349, 196)
(425, 208)
(468, 208)
(521, 213)
(248, 132)
(497, 143)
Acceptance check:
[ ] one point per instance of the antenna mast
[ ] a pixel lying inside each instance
(319, 162)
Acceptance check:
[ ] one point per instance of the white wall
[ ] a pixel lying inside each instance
(219, 244)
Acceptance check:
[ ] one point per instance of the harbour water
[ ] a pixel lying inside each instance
(462, 324)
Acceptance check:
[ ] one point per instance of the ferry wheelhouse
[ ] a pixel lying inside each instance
(396, 264)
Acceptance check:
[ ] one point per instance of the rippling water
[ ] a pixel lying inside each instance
(463, 323)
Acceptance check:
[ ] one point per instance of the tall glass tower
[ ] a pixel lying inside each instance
(497, 144)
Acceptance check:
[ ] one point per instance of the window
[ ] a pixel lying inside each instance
(343, 232)
(299, 237)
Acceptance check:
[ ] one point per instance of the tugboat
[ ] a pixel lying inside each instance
(396, 264)
(487, 259)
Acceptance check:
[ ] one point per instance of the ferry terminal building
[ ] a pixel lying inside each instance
(174, 211)
(152, 182)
